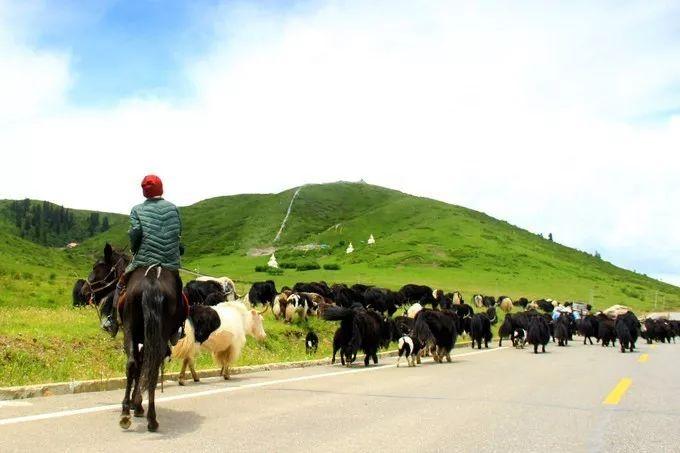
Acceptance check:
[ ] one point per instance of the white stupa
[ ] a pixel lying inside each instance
(350, 248)
(371, 240)
(272, 262)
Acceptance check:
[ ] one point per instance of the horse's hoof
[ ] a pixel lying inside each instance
(139, 412)
(125, 421)
(152, 426)
(197, 380)
(181, 383)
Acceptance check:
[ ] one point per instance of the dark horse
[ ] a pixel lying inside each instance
(151, 313)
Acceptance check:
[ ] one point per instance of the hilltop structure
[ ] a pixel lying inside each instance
(272, 262)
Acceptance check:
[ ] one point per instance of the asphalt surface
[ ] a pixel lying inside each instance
(494, 400)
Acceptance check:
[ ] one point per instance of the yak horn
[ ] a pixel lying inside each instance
(266, 307)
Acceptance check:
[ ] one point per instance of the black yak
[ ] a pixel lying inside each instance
(633, 324)
(491, 314)
(440, 327)
(480, 329)
(561, 328)
(605, 330)
(623, 334)
(359, 330)
(209, 292)
(538, 333)
(382, 300)
(262, 293)
(79, 297)
(422, 294)
(587, 328)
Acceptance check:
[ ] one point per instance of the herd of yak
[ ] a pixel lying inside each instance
(434, 319)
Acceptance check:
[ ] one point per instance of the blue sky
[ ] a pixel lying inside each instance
(123, 49)
(559, 117)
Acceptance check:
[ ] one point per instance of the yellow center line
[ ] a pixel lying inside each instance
(615, 395)
(643, 358)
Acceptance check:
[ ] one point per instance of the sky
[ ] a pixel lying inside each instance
(559, 117)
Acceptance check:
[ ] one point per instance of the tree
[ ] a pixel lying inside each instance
(94, 223)
(550, 237)
(105, 224)
(597, 255)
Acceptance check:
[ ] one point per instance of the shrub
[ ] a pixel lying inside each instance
(269, 270)
(308, 266)
(287, 265)
(331, 267)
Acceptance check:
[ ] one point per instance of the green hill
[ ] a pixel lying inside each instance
(417, 238)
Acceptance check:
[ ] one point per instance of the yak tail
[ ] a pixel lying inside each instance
(337, 314)
(186, 347)
(154, 346)
(422, 331)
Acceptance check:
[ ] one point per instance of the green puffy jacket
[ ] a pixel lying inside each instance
(155, 231)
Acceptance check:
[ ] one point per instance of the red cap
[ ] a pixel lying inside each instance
(152, 186)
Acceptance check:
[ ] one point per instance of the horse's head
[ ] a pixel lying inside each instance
(104, 272)
(102, 267)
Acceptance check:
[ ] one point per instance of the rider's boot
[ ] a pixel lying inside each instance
(110, 324)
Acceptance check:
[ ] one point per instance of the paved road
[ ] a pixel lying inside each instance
(496, 400)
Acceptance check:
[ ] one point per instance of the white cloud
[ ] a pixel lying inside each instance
(31, 82)
(529, 114)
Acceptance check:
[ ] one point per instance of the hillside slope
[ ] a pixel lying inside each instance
(418, 239)
(423, 240)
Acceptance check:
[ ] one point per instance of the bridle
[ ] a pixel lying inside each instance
(104, 281)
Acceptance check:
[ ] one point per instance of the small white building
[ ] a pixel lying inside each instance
(71, 245)
(350, 248)
(371, 240)
(272, 262)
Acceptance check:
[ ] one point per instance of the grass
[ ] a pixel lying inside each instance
(40, 345)
(417, 241)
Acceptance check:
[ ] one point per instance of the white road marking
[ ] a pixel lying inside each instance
(184, 396)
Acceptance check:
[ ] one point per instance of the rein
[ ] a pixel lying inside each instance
(188, 271)
(93, 291)
(114, 271)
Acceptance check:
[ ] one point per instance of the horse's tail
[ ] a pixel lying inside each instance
(154, 346)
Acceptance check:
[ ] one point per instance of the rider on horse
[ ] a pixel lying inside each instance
(155, 232)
